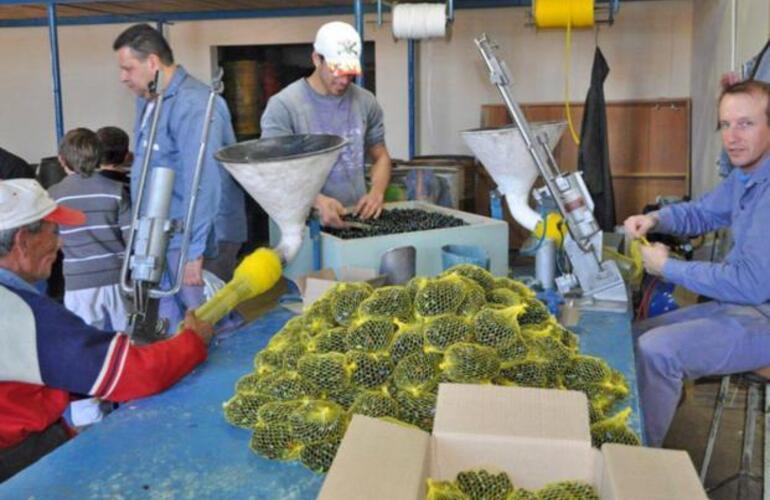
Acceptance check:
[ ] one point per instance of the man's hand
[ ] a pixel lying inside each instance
(638, 225)
(370, 205)
(193, 273)
(330, 211)
(202, 329)
(654, 257)
(729, 78)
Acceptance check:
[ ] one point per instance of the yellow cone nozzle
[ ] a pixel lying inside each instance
(256, 274)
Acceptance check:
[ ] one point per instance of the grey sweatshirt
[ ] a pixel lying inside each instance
(93, 252)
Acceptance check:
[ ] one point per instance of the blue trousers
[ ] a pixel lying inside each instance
(174, 307)
(705, 339)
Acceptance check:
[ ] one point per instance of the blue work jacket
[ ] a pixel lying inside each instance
(177, 142)
(741, 203)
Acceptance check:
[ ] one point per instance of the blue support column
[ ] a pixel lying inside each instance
(496, 205)
(53, 37)
(410, 48)
(315, 237)
(358, 6)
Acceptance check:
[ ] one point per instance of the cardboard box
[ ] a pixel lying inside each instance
(536, 436)
(313, 285)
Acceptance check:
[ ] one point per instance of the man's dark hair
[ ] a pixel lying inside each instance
(144, 40)
(81, 151)
(751, 87)
(114, 145)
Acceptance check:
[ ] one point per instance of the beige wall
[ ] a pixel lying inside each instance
(648, 51)
(712, 42)
(93, 96)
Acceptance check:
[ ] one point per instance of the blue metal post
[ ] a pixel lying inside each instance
(410, 48)
(53, 37)
(358, 7)
(159, 26)
(496, 205)
(315, 237)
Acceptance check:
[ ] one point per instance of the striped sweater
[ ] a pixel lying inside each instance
(93, 252)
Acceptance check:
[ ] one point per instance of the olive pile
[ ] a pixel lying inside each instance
(383, 353)
(397, 220)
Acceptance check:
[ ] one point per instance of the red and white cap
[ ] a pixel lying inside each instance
(24, 201)
(340, 45)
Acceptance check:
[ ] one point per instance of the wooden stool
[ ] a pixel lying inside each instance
(758, 383)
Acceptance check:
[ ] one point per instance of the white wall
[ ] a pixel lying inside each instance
(648, 51)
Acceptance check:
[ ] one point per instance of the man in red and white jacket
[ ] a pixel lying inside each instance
(47, 354)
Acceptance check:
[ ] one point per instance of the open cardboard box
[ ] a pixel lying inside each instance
(536, 436)
(313, 285)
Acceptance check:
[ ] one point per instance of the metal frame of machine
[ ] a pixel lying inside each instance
(152, 230)
(600, 281)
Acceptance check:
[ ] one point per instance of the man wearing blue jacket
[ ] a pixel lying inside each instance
(756, 68)
(731, 334)
(142, 51)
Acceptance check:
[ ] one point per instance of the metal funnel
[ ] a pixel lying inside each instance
(507, 159)
(284, 175)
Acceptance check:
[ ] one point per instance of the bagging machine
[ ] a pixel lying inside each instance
(515, 156)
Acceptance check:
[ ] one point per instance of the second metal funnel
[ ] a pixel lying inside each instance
(284, 175)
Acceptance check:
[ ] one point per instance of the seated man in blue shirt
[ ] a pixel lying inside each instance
(731, 334)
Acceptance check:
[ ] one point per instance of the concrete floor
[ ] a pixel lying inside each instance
(690, 428)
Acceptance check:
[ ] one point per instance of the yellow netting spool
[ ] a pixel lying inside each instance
(563, 13)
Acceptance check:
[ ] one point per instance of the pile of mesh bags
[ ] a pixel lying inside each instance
(383, 352)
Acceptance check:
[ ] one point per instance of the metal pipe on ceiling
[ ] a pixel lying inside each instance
(411, 65)
(358, 10)
(53, 38)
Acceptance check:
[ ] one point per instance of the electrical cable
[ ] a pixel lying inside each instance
(567, 69)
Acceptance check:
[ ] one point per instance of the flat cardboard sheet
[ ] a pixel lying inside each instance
(637, 473)
(378, 460)
(313, 285)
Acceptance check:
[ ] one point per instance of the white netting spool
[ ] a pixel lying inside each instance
(419, 20)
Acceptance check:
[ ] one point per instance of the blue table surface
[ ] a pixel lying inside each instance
(178, 445)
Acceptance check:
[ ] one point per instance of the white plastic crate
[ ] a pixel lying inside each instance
(490, 234)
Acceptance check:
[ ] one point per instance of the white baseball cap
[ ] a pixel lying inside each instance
(340, 45)
(24, 201)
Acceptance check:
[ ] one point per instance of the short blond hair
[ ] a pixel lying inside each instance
(750, 87)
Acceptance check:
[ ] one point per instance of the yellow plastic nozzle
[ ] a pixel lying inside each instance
(554, 228)
(256, 274)
(261, 270)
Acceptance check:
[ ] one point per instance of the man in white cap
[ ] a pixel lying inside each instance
(47, 354)
(328, 102)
